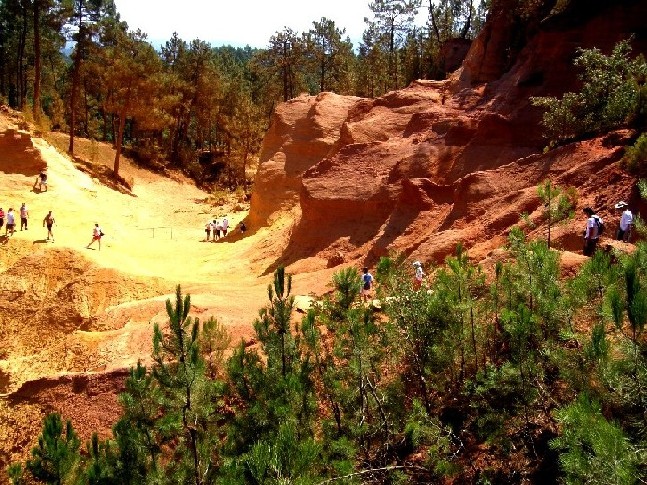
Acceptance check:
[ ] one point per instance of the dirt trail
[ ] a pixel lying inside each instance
(154, 239)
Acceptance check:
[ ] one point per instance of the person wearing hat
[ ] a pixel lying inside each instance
(417, 279)
(592, 232)
(626, 221)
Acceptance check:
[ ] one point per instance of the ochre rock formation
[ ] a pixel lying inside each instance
(424, 168)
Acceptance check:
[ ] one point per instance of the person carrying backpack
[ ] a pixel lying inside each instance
(367, 284)
(594, 228)
(626, 222)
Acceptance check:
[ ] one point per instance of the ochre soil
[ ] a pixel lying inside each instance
(73, 320)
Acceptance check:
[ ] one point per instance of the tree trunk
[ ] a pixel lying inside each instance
(76, 74)
(120, 134)
(434, 24)
(37, 61)
(20, 72)
(76, 78)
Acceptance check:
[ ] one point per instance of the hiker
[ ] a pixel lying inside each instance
(1, 218)
(49, 222)
(626, 221)
(24, 214)
(367, 283)
(218, 227)
(592, 232)
(42, 180)
(207, 230)
(97, 234)
(11, 222)
(225, 226)
(417, 279)
(242, 227)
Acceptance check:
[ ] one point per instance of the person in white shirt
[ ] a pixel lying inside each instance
(225, 225)
(626, 221)
(420, 274)
(97, 234)
(592, 232)
(11, 222)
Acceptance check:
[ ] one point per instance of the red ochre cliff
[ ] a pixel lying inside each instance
(441, 162)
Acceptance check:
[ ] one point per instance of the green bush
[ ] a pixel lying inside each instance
(636, 155)
(610, 95)
(593, 449)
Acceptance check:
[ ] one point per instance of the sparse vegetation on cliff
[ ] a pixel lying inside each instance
(612, 95)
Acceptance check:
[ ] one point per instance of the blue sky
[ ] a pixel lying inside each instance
(239, 23)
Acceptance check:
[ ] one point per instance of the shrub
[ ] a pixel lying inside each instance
(610, 95)
(636, 155)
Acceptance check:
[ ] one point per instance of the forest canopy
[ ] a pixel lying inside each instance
(75, 66)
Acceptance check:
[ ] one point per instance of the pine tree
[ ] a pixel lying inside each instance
(188, 398)
(55, 457)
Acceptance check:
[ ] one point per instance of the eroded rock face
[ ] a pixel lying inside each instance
(303, 131)
(18, 155)
(421, 169)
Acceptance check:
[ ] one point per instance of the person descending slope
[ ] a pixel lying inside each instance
(594, 227)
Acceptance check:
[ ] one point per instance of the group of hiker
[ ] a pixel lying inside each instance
(368, 281)
(217, 227)
(10, 223)
(595, 227)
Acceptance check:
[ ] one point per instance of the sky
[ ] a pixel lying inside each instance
(239, 23)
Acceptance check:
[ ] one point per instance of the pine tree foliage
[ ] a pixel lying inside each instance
(506, 360)
(55, 458)
(595, 450)
(610, 95)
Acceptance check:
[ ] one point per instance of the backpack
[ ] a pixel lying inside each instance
(600, 224)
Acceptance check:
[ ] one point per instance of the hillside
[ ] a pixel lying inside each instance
(341, 182)
(72, 315)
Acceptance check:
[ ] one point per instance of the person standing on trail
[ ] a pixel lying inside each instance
(24, 214)
(367, 284)
(218, 228)
(626, 221)
(49, 222)
(225, 226)
(418, 277)
(592, 232)
(242, 227)
(1, 218)
(11, 222)
(97, 234)
(207, 230)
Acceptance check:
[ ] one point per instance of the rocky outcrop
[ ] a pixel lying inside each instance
(18, 155)
(421, 169)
